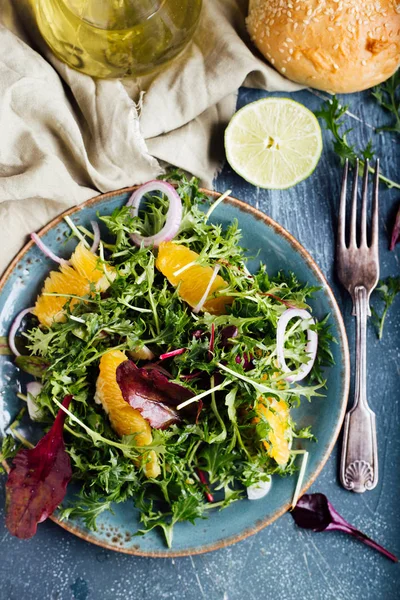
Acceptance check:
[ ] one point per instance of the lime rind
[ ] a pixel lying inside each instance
(273, 143)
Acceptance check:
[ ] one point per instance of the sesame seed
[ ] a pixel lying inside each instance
(336, 46)
(364, 62)
(283, 70)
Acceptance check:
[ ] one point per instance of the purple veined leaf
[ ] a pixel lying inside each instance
(151, 393)
(396, 231)
(315, 512)
(37, 481)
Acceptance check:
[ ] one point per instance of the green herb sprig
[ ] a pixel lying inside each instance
(331, 112)
(387, 291)
(387, 95)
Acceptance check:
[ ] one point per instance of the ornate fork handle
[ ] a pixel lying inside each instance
(359, 463)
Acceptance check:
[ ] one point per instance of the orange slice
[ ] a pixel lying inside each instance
(276, 413)
(124, 419)
(193, 280)
(76, 280)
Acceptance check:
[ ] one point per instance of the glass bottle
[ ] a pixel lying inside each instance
(117, 38)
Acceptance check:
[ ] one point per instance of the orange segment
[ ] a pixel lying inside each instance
(65, 281)
(276, 413)
(88, 266)
(74, 280)
(194, 280)
(124, 419)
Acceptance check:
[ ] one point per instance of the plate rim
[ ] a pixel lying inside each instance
(344, 392)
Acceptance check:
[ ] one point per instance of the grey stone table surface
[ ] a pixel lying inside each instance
(282, 562)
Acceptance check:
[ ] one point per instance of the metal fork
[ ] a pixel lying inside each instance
(358, 271)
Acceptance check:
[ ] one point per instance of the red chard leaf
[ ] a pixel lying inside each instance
(151, 393)
(37, 481)
(315, 512)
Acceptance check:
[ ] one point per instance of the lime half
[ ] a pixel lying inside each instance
(273, 143)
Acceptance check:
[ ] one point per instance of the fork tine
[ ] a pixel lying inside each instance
(363, 236)
(353, 238)
(342, 208)
(375, 209)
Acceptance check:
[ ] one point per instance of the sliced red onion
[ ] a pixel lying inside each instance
(14, 328)
(204, 297)
(174, 215)
(259, 490)
(40, 244)
(96, 239)
(34, 388)
(311, 347)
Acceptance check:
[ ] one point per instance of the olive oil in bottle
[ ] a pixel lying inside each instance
(117, 38)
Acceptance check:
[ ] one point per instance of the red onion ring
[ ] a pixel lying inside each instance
(14, 328)
(174, 215)
(46, 250)
(204, 297)
(96, 239)
(34, 388)
(311, 346)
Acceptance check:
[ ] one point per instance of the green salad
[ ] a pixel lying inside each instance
(167, 378)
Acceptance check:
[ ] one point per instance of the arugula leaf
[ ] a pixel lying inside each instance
(387, 95)
(331, 112)
(387, 290)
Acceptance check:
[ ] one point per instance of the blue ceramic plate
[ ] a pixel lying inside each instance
(279, 250)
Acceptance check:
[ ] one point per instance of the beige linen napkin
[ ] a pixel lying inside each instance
(65, 137)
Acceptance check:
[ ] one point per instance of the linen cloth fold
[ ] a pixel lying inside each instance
(65, 137)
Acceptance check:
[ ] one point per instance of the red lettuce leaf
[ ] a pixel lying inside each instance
(37, 481)
(151, 393)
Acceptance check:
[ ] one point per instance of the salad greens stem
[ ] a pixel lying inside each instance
(215, 204)
(301, 475)
(76, 231)
(202, 395)
(96, 437)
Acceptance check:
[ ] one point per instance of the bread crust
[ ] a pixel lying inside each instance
(339, 46)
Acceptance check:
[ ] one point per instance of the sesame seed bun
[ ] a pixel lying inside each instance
(332, 45)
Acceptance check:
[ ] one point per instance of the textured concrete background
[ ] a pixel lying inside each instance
(282, 562)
